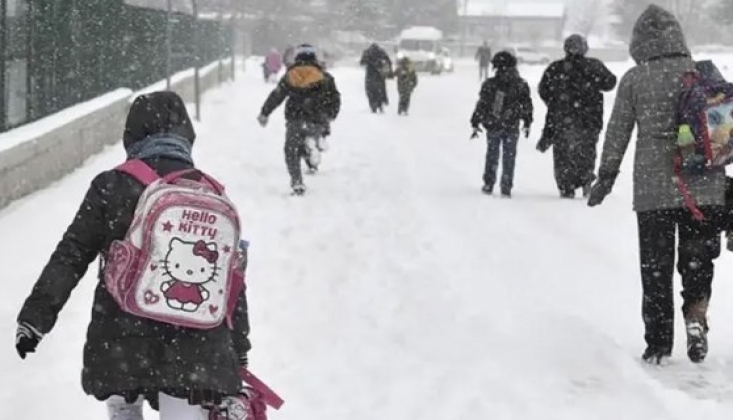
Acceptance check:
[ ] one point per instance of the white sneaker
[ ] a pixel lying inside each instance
(314, 155)
(322, 144)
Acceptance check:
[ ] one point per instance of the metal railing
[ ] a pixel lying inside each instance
(57, 53)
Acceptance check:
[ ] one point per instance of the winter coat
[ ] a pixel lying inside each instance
(378, 68)
(483, 55)
(497, 114)
(311, 95)
(647, 99)
(573, 90)
(127, 355)
(406, 79)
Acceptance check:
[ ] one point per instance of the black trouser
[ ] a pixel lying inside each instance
(574, 154)
(504, 144)
(404, 105)
(295, 147)
(699, 245)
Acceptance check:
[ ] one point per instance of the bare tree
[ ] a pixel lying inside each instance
(587, 16)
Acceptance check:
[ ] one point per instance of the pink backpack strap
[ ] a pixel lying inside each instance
(139, 170)
(269, 396)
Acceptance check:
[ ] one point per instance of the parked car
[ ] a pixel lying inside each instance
(528, 55)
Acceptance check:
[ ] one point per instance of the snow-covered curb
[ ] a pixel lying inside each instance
(35, 155)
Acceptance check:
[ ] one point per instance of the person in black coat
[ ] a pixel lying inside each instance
(504, 101)
(313, 102)
(378, 68)
(127, 356)
(573, 90)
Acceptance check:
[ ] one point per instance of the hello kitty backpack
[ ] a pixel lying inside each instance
(180, 261)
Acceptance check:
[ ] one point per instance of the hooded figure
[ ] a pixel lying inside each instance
(573, 90)
(503, 103)
(378, 68)
(125, 356)
(647, 100)
(313, 102)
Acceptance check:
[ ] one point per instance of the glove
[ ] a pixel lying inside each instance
(527, 130)
(262, 119)
(244, 360)
(27, 338)
(600, 190)
(544, 144)
(476, 131)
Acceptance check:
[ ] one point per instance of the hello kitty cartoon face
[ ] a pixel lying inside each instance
(191, 262)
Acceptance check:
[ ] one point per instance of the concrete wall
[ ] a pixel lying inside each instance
(35, 155)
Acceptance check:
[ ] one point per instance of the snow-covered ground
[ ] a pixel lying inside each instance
(394, 289)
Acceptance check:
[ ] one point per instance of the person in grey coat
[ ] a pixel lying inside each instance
(647, 99)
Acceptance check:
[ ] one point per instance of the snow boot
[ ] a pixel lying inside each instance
(487, 189)
(506, 193)
(298, 189)
(696, 325)
(567, 194)
(313, 155)
(656, 355)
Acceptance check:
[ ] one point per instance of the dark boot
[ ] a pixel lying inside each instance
(696, 325)
(569, 194)
(656, 355)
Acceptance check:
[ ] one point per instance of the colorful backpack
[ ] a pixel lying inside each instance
(705, 134)
(180, 262)
(250, 404)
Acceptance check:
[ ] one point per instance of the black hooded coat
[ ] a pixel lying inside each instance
(126, 355)
(378, 67)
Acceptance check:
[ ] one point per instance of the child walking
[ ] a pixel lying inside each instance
(504, 101)
(406, 84)
(129, 357)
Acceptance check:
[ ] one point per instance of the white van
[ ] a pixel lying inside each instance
(423, 46)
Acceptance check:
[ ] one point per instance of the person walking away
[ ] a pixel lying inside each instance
(378, 67)
(406, 84)
(647, 99)
(504, 101)
(483, 56)
(128, 357)
(273, 64)
(573, 90)
(313, 102)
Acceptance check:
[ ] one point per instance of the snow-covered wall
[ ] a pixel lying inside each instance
(35, 155)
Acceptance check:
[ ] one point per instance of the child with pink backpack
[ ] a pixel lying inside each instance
(169, 320)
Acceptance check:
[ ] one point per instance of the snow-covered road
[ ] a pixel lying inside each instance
(394, 289)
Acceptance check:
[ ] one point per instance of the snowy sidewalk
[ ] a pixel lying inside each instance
(394, 289)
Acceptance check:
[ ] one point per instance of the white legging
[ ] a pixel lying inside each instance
(170, 409)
